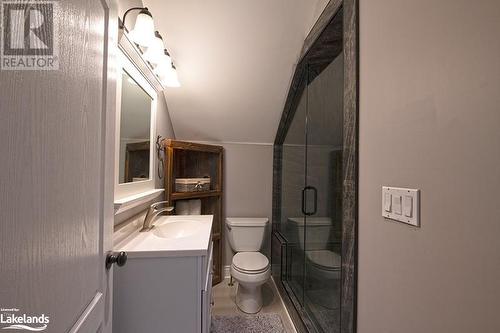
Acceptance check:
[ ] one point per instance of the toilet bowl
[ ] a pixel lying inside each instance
(250, 268)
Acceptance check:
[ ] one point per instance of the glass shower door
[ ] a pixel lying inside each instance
(292, 218)
(311, 199)
(323, 197)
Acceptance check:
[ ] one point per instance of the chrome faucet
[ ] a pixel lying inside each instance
(152, 213)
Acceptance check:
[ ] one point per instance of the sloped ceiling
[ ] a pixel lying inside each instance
(235, 60)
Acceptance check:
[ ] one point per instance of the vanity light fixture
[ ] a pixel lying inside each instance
(145, 36)
(155, 53)
(144, 28)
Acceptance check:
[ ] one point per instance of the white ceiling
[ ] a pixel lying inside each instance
(235, 59)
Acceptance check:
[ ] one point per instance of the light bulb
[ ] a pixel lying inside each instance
(164, 63)
(144, 29)
(155, 53)
(170, 78)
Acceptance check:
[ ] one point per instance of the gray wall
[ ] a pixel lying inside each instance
(430, 119)
(163, 128)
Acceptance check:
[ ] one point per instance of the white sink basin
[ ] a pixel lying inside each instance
(172, 235)
(175, 230)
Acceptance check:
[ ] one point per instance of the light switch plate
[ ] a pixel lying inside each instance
(405, 205)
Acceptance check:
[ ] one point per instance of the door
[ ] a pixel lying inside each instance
(311, 197)
(323, 196)
(55, 197)
(293, 182)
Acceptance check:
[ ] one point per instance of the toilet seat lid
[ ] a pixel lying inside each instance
(325, 258)
(252, 262)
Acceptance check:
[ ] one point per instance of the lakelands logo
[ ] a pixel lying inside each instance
(29, 35)
(11, 319)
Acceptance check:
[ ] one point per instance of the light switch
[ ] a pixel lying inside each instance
(387, 202)
(401, 204)
(408, 205)
(396, 204)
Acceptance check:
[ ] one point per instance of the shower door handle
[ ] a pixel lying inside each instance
(315, 201)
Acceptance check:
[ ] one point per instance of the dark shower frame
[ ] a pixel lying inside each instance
(335, 31)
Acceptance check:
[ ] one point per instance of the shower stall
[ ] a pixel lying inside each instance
(314, 199)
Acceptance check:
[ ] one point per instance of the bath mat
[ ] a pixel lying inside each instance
(261, 323)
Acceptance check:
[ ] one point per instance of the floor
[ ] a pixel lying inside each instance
(322, 303)
(224, 296)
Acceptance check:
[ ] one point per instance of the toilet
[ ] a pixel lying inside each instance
(249, 267)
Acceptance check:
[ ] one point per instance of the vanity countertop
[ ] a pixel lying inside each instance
(171, 236)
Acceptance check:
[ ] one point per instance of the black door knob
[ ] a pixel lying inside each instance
(119, 258)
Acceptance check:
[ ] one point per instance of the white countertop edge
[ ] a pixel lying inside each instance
(167, 253)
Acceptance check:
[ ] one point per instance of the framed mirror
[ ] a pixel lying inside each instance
(135, 131)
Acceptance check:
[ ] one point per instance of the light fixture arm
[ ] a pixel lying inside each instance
(122, 24)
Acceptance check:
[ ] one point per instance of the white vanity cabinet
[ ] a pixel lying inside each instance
(163, 291)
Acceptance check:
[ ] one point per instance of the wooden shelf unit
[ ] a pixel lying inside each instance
(194, 160)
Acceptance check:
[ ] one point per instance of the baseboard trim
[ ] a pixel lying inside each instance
(277, 293)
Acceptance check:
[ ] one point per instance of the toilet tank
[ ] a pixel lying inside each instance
(318, 232)
(245, 234)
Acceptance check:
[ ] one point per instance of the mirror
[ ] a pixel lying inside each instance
(136, 103)
(135, 131)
